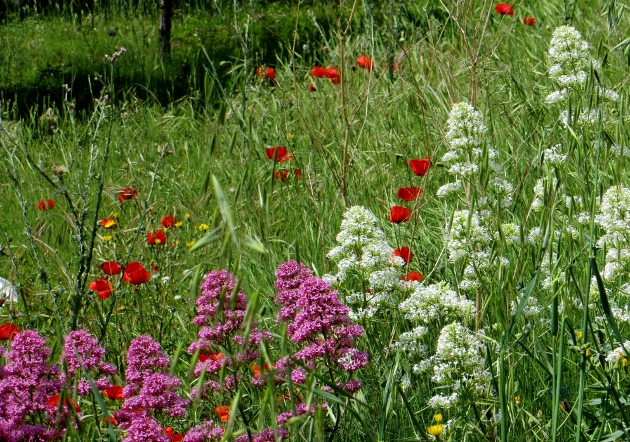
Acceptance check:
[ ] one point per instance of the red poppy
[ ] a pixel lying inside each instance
(8, 330)
(110, 268)
(112, 420)
(409, 193)
(54, 402)
(203, 357)
(318, 72)
(156, 238)
(412, 276)
(45, 205)
(224, 412)
(174, 437)
(115, 393)
(282, 176)
(399, 214)
(256, 369)
(311, 88)
(283, 154)
(404, 253)
(366, 63)
(266, 72)
(127, 194)
(504, 9)
(420, 167)
(333, 74)
(297, 173)
(135, 274)
(108, 223)
(168, 221)
(103, 287)
(529, 21)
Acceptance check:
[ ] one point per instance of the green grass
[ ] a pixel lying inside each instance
(362, 133)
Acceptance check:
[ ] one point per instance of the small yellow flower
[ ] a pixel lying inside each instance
(291, 136)
(187, 216)
(528, 60)
(107, 238)
(179, 224)
(438, 418)
(517, 400)
(578, 335)
(588, 352)
(435, 430)
(624, 362)
(114, 214)
(190, 243)
(203, 227)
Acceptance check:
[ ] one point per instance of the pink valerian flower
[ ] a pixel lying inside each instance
(91, 355)
(149, 386)
(290, 276)
(27, 384)
(319, 324)
(220, 312)
(300, 409)
(266, 435)
(206, 432)
(140, 427)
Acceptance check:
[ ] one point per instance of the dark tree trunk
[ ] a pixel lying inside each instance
(166, 18)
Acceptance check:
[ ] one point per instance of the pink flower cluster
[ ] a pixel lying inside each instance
(82, 348)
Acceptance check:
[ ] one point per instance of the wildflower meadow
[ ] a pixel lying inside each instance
(313, 221)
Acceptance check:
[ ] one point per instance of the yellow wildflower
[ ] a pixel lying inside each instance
(107, 238)
(435, 430)
(204, 227)
(179, 224)
(190, 243)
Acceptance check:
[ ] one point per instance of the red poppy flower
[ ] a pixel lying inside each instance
(412, 276)
(409, 193)
(115, 393)
(311, 88)
(224, 412)
(168, 221)
(529, 21)
(45, 205)
(103, 287)
(108, 223)
(110, 268)
(203, 357)
(420, 167)
(404, 253)
(54, 402)
(156, 238)
(297, 173)
(318, 72)
(504, 9)
(283, 154)
(266, 72)
(135, 274)
(8, 330)
(112, 420)
(366, 63)
(282, 176)
(174, 437)
(399, 214)
(257, 371)
(127, 194)
(333, 74)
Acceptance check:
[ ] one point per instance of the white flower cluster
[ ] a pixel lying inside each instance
(458, 365)
(554, 156)
(410, 342)
(363, 252)
(436, 303)
(531, 310)
(7, 291)
(614, 218)
(467, 237)
(618, 353)
(570, 61)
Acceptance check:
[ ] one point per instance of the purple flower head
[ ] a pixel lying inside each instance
(158, 393)
(145, 357)
(91, 355)
(143, 428)
(206, 432)
(290, 276)
(266, 435)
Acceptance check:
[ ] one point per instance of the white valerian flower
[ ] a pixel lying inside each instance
(557, 96)
(618, 353)
(362, 252)
(466, 235)
(532, 307)
(620, 151)
(614, 217)
(569, 57)
(436, 303)
(7, 291)
(449, 188)
(458, 365)
(511, 233)
(607, 94)
(553, 156)
(587, 117)
(410, 342)
(535, 236)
